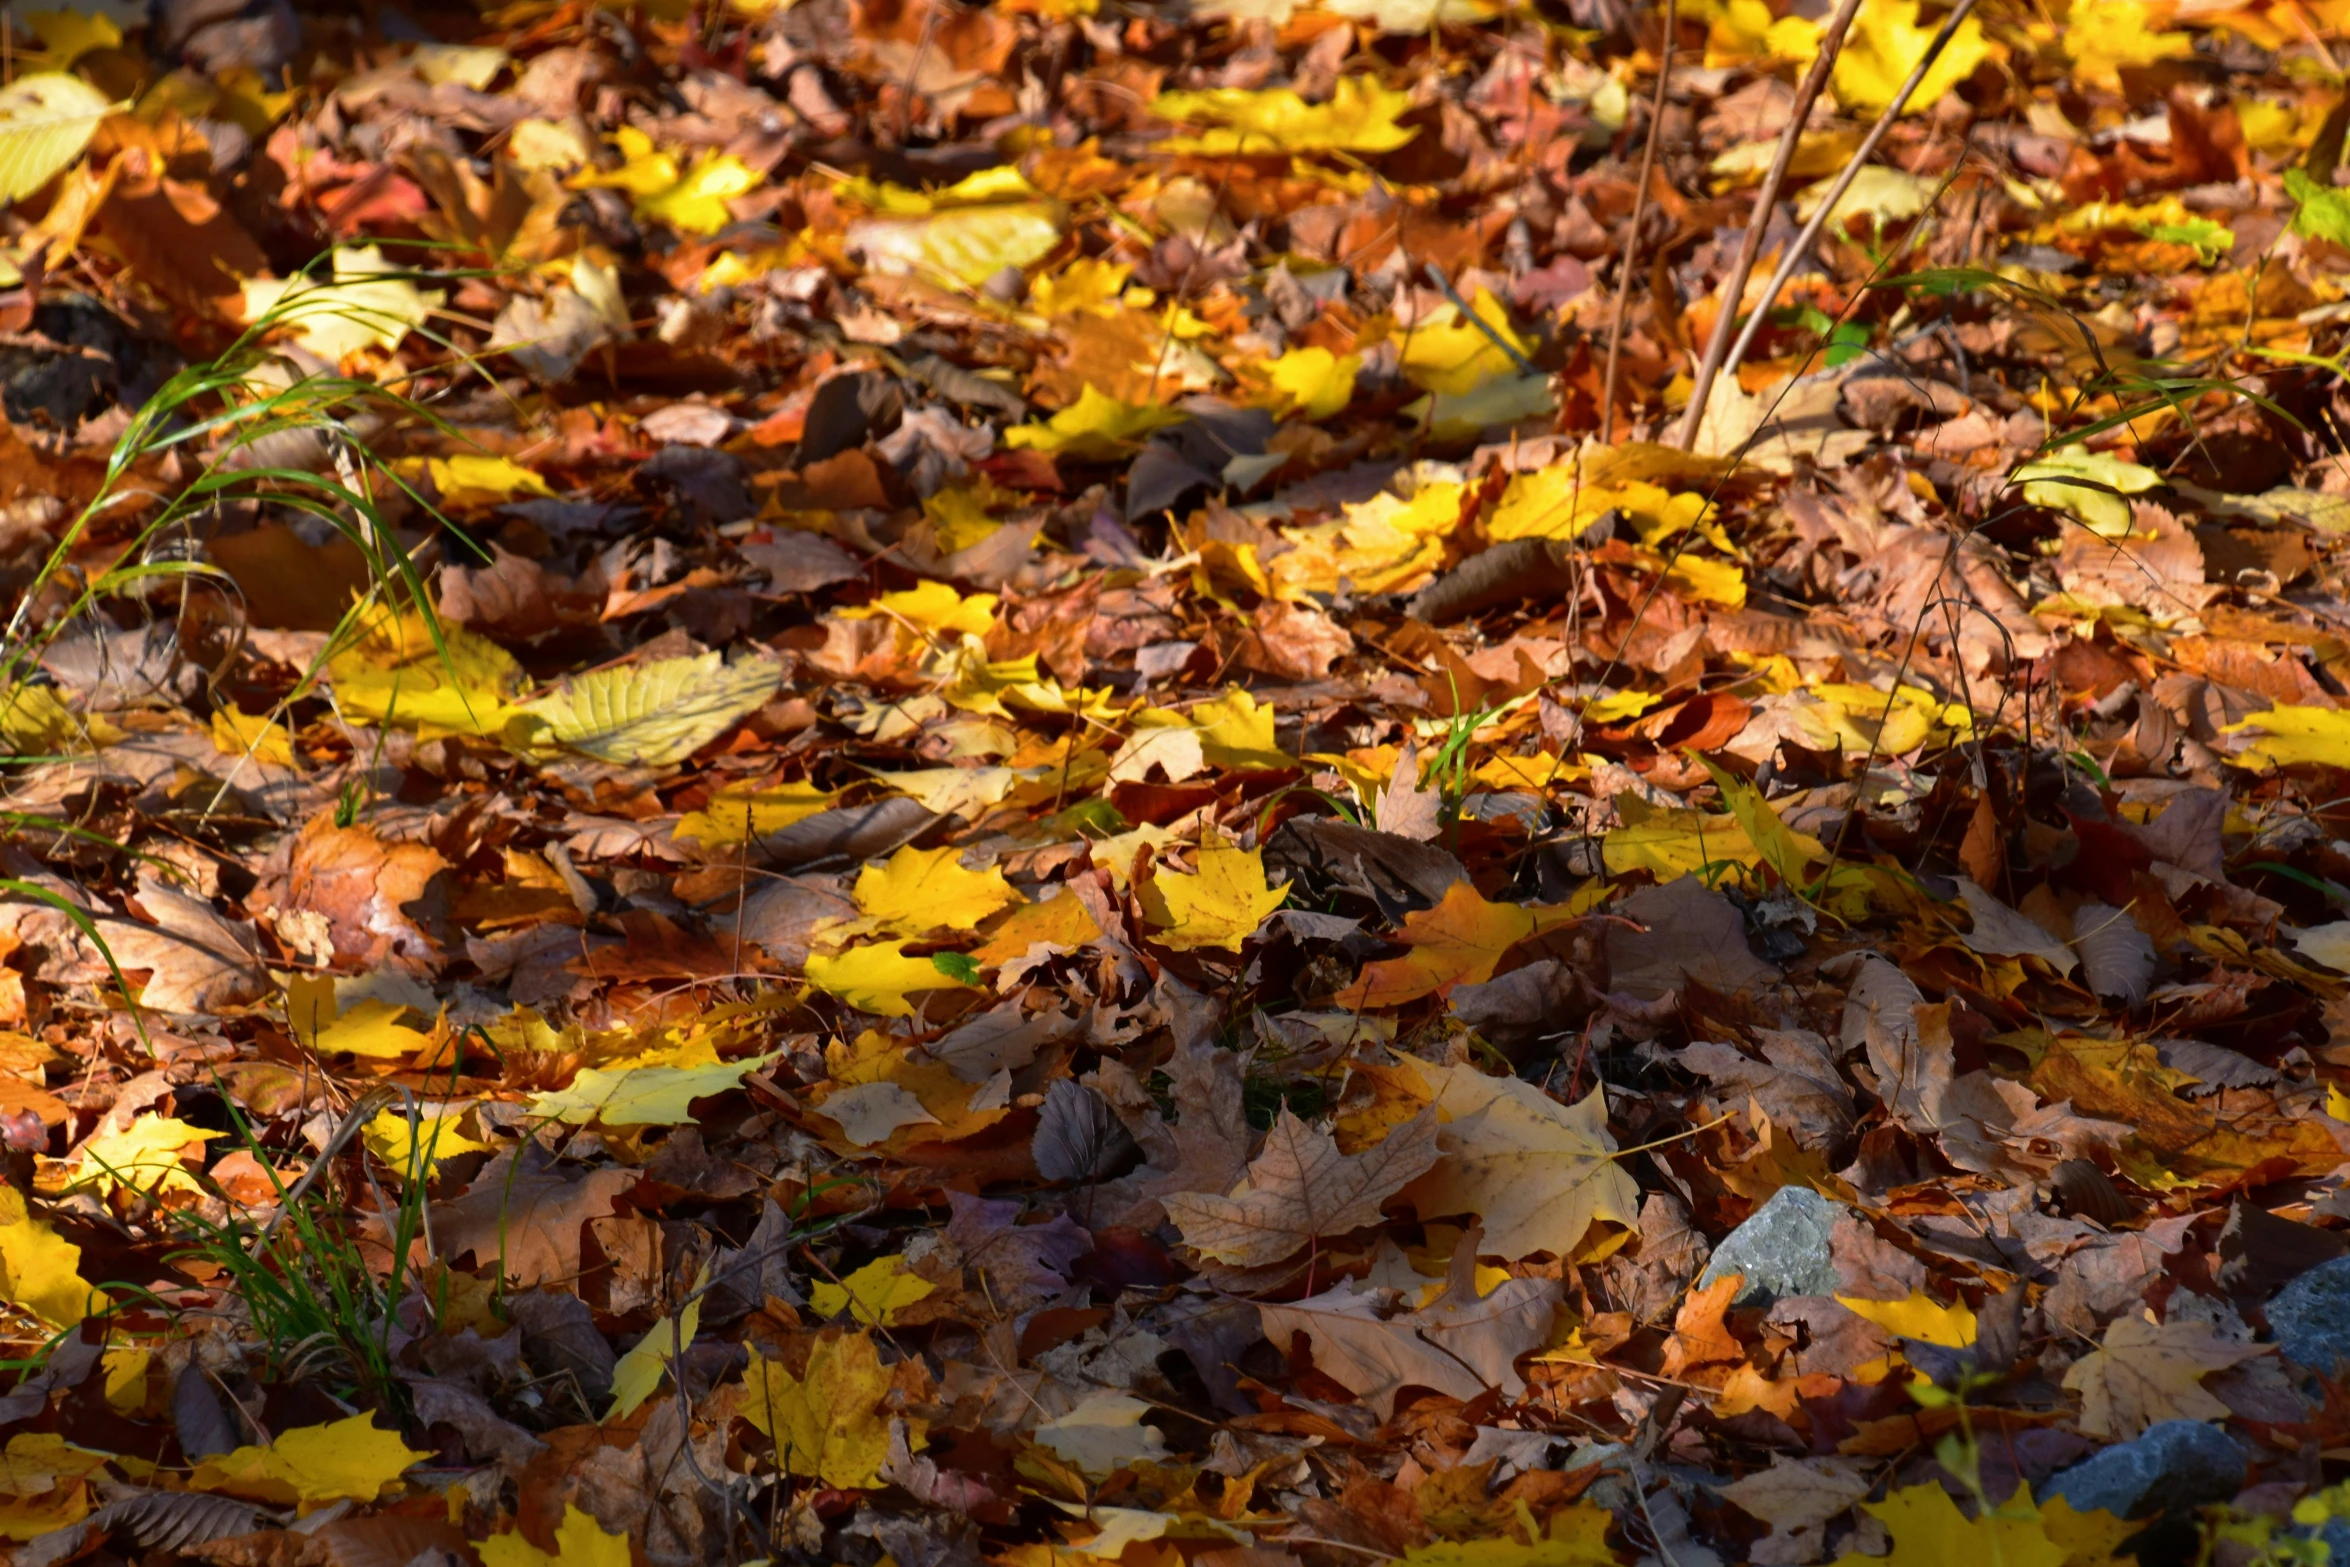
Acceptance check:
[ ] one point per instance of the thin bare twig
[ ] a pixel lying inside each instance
(1656, 121)
(1795, 252)
(1807, 93)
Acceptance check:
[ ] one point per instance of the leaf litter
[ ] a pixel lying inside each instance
(854, 782)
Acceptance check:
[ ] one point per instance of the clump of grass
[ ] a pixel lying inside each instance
(236, 415)
(311, 1295)
(310, 1290)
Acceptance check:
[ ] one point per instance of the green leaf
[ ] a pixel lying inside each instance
(2212, 241)
(2324, 211)
(957, 966)
(45, 121)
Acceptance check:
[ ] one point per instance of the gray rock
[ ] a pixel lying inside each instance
(2311, 1316)
(2175, 1463)
(1781, 1250)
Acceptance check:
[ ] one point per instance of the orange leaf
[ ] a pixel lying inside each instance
(1460, 941)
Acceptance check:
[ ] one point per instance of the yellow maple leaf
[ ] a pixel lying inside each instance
(827, 1424)
(692, 201)
(123, 1370)
(874, 1294)
(1453, 356)
(1236, 730)
(395, 670)
(932, 607)
(1460, 941)
(239, 733)
(1921, 1317)
(696, 204)
(1668, 842)
(377, 1030)
(413, 1150)
(959, 515)
(39, 1270)
(1096, 428)
(1360, 116)
(365, 300)
(878, 977)
(638, 1373)
(145, 1156)
(2290, 736)
(580, 1541)
(2104, 36)
(1929, 1531)
(1314, 383)
(68, 35)
(922, 890)
(1577, 1537)
(1061, 921)
(34, 722)
(1859, 720)
(470, 481)
(1090, 285)
(738, 814)
(44, 1484)
(636, 1094)
(1886, 43)
(312, 1465)
(1220, 906)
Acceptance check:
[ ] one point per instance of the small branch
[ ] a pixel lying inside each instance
(1807, 93)
(1615, 331)
(1795, 252)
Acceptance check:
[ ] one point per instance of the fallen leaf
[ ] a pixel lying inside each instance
(524, 1212)
(1539, 1173)
(1462, 1344)
(657, 714)
(1220, 906)
(828, 1423)
(1886, 43)
(2143, 1372)
(363, 300)
(1459, 942)
(39, 1270)
(1103, 1434)
(1360, 116)
(1797, 1497)
(657, 1095)
(196, 960)
(874, 1294)
(922, 890)
(878, 977)
(46, 119)
(638, 1375)
(147, 1156)
(579, 1542)
(312, 1466)
(1929, 1530)
(1299, 1189)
